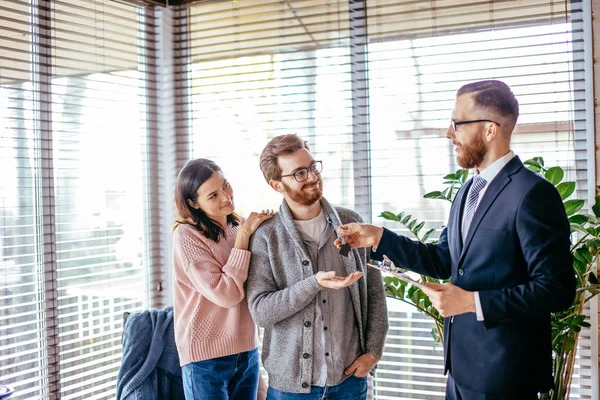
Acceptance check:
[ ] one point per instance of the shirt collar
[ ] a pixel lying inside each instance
(492, 170)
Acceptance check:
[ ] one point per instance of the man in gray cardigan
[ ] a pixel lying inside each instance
(324, 314)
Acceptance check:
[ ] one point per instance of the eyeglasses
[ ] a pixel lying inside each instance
(302, 174)
(456, 124)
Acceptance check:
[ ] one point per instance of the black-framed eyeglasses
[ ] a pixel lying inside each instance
(302, 174)
(456, 124)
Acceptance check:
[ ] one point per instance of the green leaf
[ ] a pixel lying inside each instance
(435, 335)
(413, 294)
(417, 228)
(427, 235)
(578, 228)
(449, 194)
(596, 207)
(450, 177)
(580, 267)
(592, 231)
(583, 255)
(535, 163)
(569, 343)
(434, 195)
(555, 175)
(592, 219)
(565, 189)
(538, 165)
(426, 302)
(391, 291)
(578, 219)
(572, 206)
(389, 216)
(411, 224)
(406, 219)
(390, 280)
(530, 162)
(593, 244)
(465, 175)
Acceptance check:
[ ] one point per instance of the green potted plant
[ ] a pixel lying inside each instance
(566, 325)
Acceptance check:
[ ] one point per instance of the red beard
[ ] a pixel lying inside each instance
(303, 196)
(472, 154)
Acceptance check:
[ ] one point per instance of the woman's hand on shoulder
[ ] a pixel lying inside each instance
(255, 219)
(249, 226)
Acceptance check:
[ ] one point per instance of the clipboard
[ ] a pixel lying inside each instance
(388, 267)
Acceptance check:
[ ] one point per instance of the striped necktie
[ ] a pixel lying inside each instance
(478, 184)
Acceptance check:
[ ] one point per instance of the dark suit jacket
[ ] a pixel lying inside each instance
(516, 255)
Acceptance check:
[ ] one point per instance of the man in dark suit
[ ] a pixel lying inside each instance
(505, 250)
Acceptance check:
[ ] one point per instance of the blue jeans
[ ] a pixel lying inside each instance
(352, 388)
(231, 377)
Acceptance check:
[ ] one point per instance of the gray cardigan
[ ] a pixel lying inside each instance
(281, 291)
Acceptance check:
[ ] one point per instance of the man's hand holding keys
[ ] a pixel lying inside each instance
(359, 235)
(447, 298)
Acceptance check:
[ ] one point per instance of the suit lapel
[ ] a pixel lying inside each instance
(493, 191)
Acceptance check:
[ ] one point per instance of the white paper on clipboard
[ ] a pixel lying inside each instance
(388, 267)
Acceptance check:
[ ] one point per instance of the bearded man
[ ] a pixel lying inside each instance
(324, 313)
(505, 250)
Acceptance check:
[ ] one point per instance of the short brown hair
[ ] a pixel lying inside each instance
(495, 96)
(279, 145)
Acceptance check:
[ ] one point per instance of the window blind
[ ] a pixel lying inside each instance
(371, 86)
(259, 69)
(77, 133)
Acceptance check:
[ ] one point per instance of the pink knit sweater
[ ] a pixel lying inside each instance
(210, 307)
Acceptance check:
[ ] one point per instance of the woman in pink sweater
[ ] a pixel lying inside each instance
(214, 332)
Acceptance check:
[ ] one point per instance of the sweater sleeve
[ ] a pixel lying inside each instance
(221, 284)
(268, 303)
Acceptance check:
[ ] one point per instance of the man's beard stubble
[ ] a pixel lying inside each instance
(304, 198)
(471, 155)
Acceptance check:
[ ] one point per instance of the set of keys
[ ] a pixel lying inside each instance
(345, 249)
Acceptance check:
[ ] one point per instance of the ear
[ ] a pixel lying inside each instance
(191, 204)
(276, 185)
(491, 132)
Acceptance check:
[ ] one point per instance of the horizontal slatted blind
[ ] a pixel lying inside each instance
(21, 286)
(75, 129)
(263, 68)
